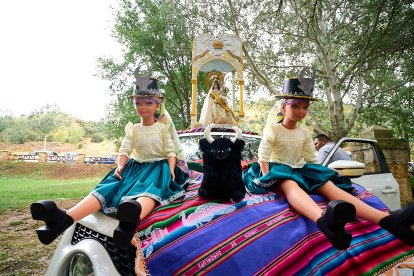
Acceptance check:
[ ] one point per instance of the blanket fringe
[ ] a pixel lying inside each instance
(393, 267)
(140, 264)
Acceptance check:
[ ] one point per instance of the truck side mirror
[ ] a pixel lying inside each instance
(348, 168)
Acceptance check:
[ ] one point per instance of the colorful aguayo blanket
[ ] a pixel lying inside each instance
(261, 235)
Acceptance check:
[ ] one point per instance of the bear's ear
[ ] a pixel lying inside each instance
(204, 144)
(238, 145)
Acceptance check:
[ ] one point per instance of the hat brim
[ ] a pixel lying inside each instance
(146, 96)
(296, 97)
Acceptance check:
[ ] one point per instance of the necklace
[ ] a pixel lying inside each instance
(288, 127)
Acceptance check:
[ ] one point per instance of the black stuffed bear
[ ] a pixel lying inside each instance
(222, 168)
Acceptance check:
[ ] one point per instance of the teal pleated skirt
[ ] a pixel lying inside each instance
(309, 177)
(151, 180)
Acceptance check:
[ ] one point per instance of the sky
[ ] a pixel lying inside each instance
(48, 55)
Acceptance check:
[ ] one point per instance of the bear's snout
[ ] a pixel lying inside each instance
(221, 153)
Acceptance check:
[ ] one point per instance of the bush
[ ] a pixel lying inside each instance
(96, 138)
(10, 165)
(72, 133)
(18, 135)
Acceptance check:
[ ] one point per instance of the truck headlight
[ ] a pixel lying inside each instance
(80, 264)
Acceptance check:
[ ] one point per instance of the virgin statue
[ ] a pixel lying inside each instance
(215, 109)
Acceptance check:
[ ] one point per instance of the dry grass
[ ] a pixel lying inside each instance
(21, 251)
(105, 148)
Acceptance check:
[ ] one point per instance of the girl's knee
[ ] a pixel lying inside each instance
(288, 184)
(146, 201)
(327, 187)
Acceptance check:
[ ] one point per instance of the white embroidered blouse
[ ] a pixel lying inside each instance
(285, 146)
(147, 143)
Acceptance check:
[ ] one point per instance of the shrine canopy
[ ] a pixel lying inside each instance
(210, 54)
(217, 65)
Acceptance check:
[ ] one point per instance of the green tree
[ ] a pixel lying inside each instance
(45, 121)
(120, 112)
(159, 34)
(71, 133)
(344, 40)
(6, 121)
(19, 131)
(90, 128)
(347, 41)
(391, 98)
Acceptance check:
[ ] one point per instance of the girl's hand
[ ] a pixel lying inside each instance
(118, 171)
(264, 167)
(172, 160)
(122, 160)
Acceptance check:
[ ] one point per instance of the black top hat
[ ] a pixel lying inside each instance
(146, 86)
(299, 88)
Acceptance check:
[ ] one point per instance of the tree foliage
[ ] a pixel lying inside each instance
(47, 123)
(159, 34)
(19, 131)
(344, 40)
(354, 45)
(391, 98)
(6, 121)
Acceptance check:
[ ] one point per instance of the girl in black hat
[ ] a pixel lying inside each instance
(151, 170)
(287, 161)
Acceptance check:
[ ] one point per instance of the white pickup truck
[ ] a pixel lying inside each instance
(259, 235)
(367, 168)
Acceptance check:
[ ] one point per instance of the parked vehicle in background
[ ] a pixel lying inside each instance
(52, 156)
(101, 160)
(109, 159)
(367, 168)
(190, 144)
(69, 157)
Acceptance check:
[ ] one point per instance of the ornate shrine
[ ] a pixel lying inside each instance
(215, 57)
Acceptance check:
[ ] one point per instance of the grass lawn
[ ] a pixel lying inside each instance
(21, 184)
(21, 251)
(20, 192)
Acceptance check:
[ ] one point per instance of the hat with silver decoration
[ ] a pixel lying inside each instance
(146, 86)
(300, 87)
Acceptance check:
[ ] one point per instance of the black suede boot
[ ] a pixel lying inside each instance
(57, 221)
(398, 223)
(332, 223)
(128, 215)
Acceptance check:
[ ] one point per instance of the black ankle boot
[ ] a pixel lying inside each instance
(398, 223)
(57, 221)
(128, 215)
(332, 223)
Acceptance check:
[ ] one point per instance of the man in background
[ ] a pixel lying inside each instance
(324, 145)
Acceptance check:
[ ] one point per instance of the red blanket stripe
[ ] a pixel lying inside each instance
(372, 259)
(288, 263)
(311, 245)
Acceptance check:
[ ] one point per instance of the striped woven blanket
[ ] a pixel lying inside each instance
(260, 235)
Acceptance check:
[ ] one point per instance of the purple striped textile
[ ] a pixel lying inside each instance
(260, 235)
